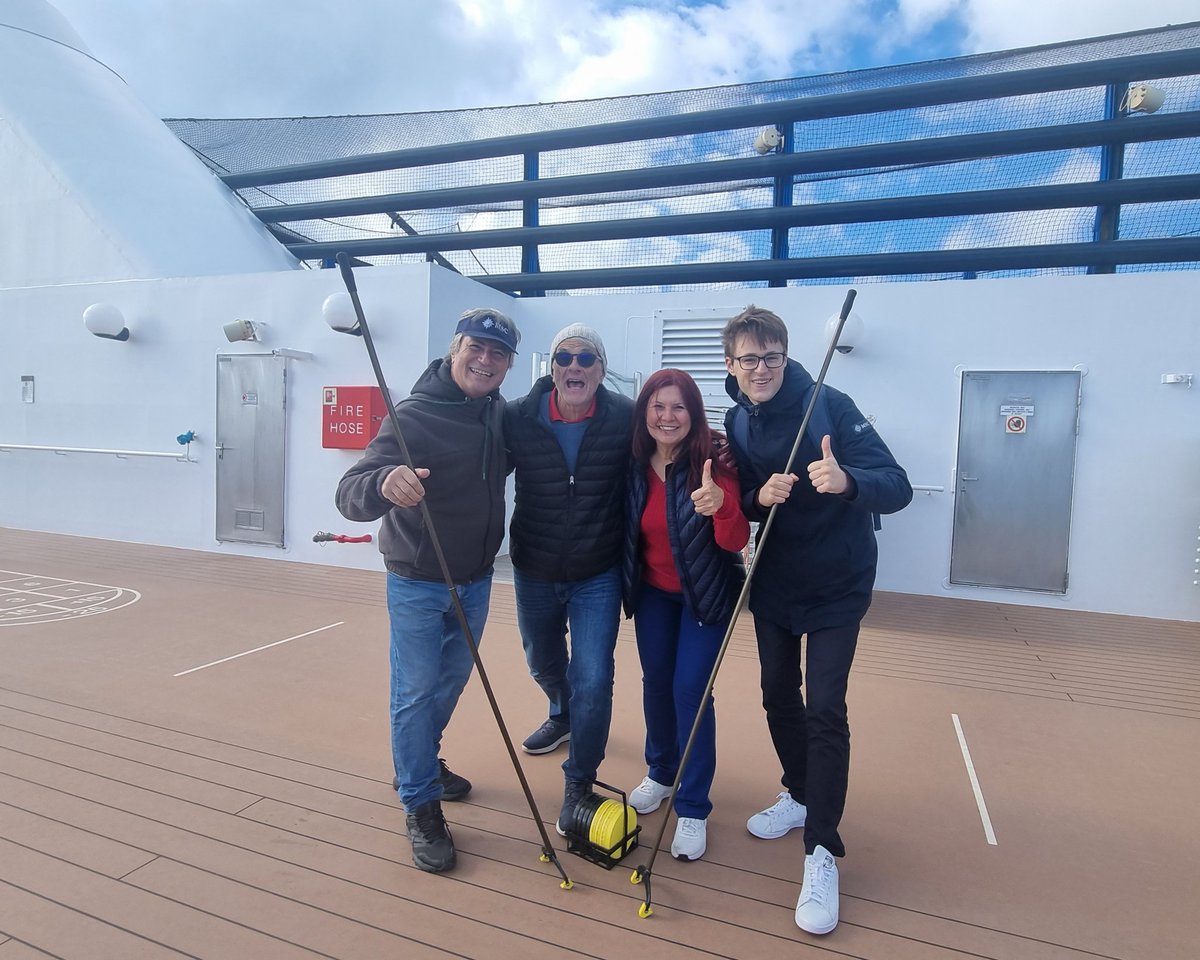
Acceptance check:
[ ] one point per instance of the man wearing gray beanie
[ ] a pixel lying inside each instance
(569, 441)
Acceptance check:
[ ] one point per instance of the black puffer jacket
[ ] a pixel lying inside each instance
(710, 577)
(817, 568)
(567, 527)
(459, 440)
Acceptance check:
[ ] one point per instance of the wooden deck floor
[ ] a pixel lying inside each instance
(163, 795)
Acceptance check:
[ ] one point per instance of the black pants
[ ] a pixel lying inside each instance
(813, 739)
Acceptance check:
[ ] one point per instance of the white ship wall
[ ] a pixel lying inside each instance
(93, 186)
(1137, 489)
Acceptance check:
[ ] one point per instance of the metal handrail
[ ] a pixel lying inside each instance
(185, 457)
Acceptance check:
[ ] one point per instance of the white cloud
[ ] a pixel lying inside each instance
(312, 57)
(1004, 24)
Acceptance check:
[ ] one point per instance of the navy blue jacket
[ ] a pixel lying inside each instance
(567, 526)
(817, 568)
(711, 577)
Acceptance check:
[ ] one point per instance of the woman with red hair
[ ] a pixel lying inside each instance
(681, 574)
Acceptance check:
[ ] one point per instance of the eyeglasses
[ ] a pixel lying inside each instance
(586, 359)
(750, 361)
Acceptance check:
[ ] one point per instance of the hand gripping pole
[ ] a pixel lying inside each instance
(547, 855)
(643, 873)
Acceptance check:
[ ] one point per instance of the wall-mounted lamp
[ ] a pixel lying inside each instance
(853, 332)
(338, 311)
(105, 320)
(1142, 98)
(237, 330)
(769, 140)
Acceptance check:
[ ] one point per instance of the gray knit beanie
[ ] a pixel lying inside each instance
(581, 331)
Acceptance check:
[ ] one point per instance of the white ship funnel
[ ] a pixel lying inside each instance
(95, 187)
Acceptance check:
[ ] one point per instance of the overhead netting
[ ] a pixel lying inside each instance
(239, 145)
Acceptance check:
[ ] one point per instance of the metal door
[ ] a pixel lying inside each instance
(251, 446)
(1016, 471)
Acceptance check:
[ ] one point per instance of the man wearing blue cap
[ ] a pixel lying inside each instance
(451, 423)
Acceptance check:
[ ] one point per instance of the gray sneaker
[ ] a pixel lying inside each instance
(691, 839)
(648, 795)
(548, 737)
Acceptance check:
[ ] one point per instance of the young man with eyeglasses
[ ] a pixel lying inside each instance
(451, 423)
(813, 578)
(569, 442)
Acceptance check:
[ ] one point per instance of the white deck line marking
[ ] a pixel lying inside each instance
(983, 814)
(265, 646)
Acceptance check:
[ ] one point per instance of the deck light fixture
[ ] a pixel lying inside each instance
(769, 140)
(106, 321)
(237, 330)
(853, 332)
(338, 311)
(1142, 98)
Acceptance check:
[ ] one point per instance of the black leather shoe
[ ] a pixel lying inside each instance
(432, 845)
(454, 787)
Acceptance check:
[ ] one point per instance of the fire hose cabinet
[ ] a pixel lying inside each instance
(351, 416)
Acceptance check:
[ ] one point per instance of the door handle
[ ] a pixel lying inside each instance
(220, 448)
(965, 479)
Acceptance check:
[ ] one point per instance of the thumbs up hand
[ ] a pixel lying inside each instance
(826, 474)
(708, 497)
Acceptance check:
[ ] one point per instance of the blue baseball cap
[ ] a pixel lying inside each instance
(484, 324)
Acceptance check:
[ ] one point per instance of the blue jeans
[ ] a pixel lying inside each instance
(677, 654)
(431, 663)
(578, 684)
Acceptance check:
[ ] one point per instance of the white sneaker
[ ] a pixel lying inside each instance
(817, 908)
(691, 839)
(647, 795)
(784, 815)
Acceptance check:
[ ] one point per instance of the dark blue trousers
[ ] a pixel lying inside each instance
(812, 739)
(677, 655)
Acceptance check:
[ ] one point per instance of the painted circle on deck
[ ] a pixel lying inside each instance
(27, 598)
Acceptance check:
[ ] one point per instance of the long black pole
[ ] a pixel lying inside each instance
(642, 873)
(548, 855)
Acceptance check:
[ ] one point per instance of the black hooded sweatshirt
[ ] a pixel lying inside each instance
(459, 440)
(817, 568)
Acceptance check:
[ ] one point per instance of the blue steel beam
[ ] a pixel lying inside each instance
(1112, 167)
(1176, 250)
(974, 146)
(781, 196)
(1057, 196)
(1170, 63)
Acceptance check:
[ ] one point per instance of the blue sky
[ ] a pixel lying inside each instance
(255, 58)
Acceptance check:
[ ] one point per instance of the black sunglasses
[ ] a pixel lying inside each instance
(586, 359)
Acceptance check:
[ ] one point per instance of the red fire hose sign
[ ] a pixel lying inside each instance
(1014, 424)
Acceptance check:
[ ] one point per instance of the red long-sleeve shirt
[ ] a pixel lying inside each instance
(730, 528)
